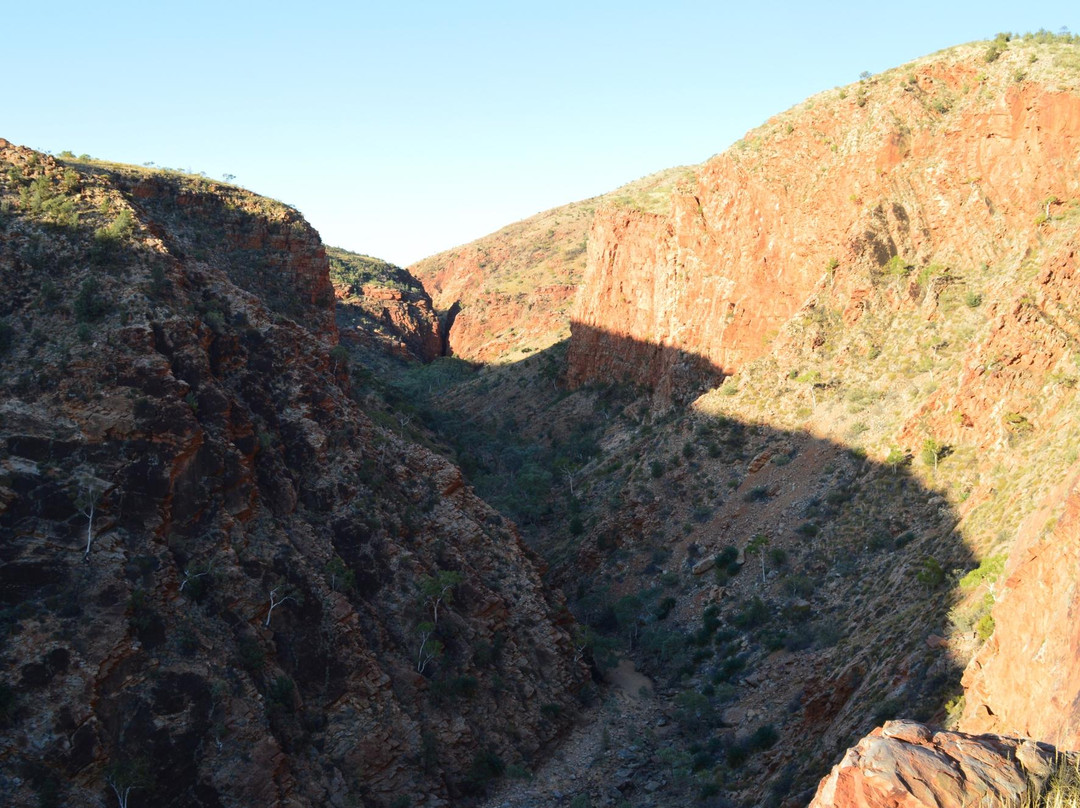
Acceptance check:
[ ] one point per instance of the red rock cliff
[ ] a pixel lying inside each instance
(948, 158)
(1026, 679)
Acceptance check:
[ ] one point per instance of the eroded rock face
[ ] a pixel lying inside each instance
(907, 765)
(515, 288)
(825, 194)
(1026, 679)
(210, 557)
(512, 289)
(397, 320)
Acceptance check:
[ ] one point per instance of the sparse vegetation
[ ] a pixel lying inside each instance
(91, 304)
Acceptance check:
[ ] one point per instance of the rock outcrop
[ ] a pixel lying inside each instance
(514, 289)
(1026, 679)
(907, 765)
(949, 160)
(216, 572)
(382, 306)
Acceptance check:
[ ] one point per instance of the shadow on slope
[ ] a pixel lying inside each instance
(787, 592)
(211, 561)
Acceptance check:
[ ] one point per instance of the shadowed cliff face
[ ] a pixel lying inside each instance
(670, 373)
(220, 581)
(830, 616)
(383, 307)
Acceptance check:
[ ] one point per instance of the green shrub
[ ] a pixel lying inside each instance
(664, 608)
(90, 303)
(702, 514)
(757, 494)
(7, 336)
(485, 767)
(551, 711)
(159, 284)
(252, 654)
(763, 738)
(931, 575)
(989, 571)
(120, 229)
(798, 585)
(1018, 424)
(281, 691)
(897, 266)
(7, 702)
(455, 687)
(737, 755)
(754, 613)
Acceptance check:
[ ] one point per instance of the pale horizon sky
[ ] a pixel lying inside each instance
(401, 130)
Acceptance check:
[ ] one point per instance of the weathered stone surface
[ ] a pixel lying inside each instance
(820, 203)
(402, 321)
(1026, 679)
(907, 765)
(515, 288)
(245, 620)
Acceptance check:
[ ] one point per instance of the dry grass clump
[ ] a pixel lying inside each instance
(1062, 790)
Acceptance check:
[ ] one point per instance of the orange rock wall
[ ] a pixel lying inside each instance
(830, 181)
(1026, 679)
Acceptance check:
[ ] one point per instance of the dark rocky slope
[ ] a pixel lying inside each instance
(211, 559)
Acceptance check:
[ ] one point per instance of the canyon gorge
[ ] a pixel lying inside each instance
(748, 483)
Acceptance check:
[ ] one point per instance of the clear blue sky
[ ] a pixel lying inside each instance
(403, 128)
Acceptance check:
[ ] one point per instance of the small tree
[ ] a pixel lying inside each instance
(931, 574)
(813, 379)
(125, 776)
(439, 589)
(757, 545)
(277, 597)
(931, 452)
(340, 575)
(628, 611)
(430, 648)
(895, 459)
(192, 578)
(88, 492)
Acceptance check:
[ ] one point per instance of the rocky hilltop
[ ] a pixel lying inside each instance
(221, 583)
(949, 160)
(382, 307)
(510, 293)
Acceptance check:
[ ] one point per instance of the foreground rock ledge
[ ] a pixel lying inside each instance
(905, 764)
